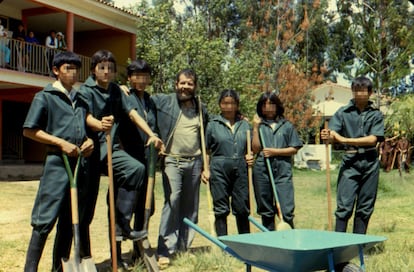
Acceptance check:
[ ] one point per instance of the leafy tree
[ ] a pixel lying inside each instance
(377, 40)
(399, 118)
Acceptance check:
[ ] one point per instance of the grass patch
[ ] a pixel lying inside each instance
(393, 218)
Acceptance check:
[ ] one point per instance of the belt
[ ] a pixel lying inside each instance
(360, 150)
(184, 158)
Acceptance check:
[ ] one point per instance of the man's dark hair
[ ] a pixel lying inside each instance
(188, 73)
(361, 82)
(100, 56)
(138, 66)
(66, 57)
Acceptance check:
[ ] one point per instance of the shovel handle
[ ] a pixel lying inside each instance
(272, 179)
(150, 185)
(250, 174)
(111, 202)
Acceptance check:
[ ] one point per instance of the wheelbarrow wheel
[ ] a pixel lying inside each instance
(348, 267)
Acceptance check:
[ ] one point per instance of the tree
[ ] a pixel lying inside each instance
(378, 40)
(399, 118)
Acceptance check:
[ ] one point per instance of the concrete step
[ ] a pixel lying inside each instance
(15, 171)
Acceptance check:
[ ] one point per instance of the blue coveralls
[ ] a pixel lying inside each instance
(52, 111)
(284, 135)
(228, 172)
(359, 171)
(128, 172)
(181, 181)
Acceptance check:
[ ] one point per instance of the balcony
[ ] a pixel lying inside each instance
(34, 58)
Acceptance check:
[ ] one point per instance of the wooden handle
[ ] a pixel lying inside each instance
(111, 202)
(328, 181)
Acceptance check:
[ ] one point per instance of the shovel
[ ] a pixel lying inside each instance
(144, 246)
(282, 224)
(250, 177)
(211, 217)
(75, 263)
(111, 190)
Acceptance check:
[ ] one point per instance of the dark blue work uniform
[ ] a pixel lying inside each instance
(128, 172)
(282, 136)
(359, 171)
(53, 112)
(228, 171)
(133, 142)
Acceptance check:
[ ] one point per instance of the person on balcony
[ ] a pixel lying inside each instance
(51, 44)
(19, 48)
(61, 43)
(30, 50)
(4, 49)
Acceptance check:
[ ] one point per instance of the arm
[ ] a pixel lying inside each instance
(43, 137)
(140, 123)
(256, 145)
(104, 125)
(287, 151)
(327, 134)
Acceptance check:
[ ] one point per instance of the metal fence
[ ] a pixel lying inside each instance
(33, 58)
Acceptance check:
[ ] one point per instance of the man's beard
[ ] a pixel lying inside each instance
(184, 98)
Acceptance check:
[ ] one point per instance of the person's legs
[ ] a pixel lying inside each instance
(129, 175)
(240, 197)
(34, 251)
(263, 194)
(52, 194)
(168, 230)
(219, 191)
(346, 193)
(63, 237)
(190, 199)
(367, 195)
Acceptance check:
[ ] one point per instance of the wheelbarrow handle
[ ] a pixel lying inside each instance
(212, 239)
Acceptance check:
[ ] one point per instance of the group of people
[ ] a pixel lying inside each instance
(78, 122)
(24, 47)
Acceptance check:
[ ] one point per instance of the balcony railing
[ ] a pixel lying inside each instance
(33, 58)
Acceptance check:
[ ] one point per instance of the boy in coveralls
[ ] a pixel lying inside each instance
(359, 127)
(55, 119)
(105, 108)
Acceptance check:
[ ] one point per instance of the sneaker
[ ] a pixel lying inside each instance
(163, 261)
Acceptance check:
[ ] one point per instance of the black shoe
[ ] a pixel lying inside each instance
(135, 235)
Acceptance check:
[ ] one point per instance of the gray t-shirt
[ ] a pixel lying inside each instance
(185, 140)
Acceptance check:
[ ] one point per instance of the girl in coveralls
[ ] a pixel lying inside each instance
(281, 143)
(226, 141)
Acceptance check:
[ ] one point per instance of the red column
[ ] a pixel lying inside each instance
(70, 25)
(133, 50)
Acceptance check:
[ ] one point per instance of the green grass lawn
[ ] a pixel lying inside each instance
(393, 218)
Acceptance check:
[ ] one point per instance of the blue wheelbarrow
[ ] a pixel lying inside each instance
(294, 250)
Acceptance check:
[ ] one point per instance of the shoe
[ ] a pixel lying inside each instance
(135, 235)
(163, 261)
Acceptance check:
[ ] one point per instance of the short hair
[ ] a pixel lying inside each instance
(361, 82)
(100, 56)
(274, 99)
(188, 73)
(66, 57)
(229, 93)
(138, 66)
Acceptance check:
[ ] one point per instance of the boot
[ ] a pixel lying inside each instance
(341, 225)
(121, 262)
(360, 225)
(268, 222)
(243, 225)
(136, 253)
(125, 204)
(34, 251)
(221, 225)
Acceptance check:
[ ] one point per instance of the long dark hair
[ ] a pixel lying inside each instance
(274, 99)
(233, 94)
